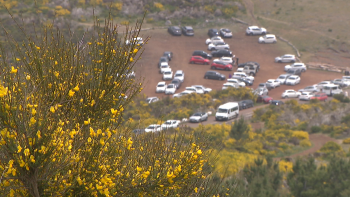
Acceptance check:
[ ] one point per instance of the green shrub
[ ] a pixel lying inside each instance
(315, 129)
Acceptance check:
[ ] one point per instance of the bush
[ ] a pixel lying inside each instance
(315, 129)
(331, 147)
(341, 97)
(300, 135)
(346, 141)
(305, 143)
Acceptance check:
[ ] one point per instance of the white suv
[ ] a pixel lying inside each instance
(294, 66)
(268, 38)
(255, 30)
(167, 74)
(161, 86)
(235, 81)
(179, 74)
(285, 58)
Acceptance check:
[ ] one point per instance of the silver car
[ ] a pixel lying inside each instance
(199, 117)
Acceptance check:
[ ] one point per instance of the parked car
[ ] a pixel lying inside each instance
(229, 85)
(177, 83)
(236, 81)
(136, 41)
(199, 117)
(341, 82)
(295, 66)
(293, 80)
(221, 65)
(312, 89)
(200, 87)
(225, 33)
(153, 128)
(228, 60)
(244, 75)
(214, 75)
(170, 124)
(294, 72)
(282, 78)
(214, 40)
(222, 53)
(170, 89)
(250, 69)
(264, 99)
(290, 94)
(268, 38)
(273, 83)
(161, 86)
(331, 89)
(213, 32)
(174, 30)
(202, 54)
(255, 30)
(179, 74)
(262, 85)
(276, 102)
(167, 74)
(199, 60)
(245, 104)
(241, 65)
(285, 58)
(195, 90)
(218, 46)
(183, 93)
(320, 85)
(163, 59)
(152, 99)
(261, 91)
(246, 81)
(320, 96)
(168, 54)
(187, 31)
(306, 96)
(163, 66)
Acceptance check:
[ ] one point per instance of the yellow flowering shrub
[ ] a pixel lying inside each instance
(285, 166)
(300, 135)
(305, 143)
(346, 141)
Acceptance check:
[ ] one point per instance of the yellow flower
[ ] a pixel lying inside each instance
(56, 62)
(76, 88)
(89, 139)
(32, 120)
(89, 43)
(87, 122)
(28, 77)
(136, 50)
(196, 189)
(3, 91)
(199, 152)
(38, 48)
(13, 70)
(19, 148)
(26, 152)
(52, 109)
(32, 159)
(139, 169)
(17, 59)
(131, 59)
(71, 93)
(129, 141)
(33, 111)
(113, 111)
(38, 134)
(56, 74)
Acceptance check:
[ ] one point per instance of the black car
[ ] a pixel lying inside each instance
(174, 30)
(202, 54)
(276, 102)
(295, 72)
(177, 83)
(225, 33)
(246, 81)
(163, 59)
(221, 53)
(168, 54)
(187, 31)
(214, 75)
(213, 32)
(245, 104)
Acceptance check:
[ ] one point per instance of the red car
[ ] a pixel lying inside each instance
(199, 60)
(264, 99)
(320, 96)
(221, 65)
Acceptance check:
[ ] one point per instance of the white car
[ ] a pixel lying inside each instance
(179, 74)
(218, 46)
(161, 86)
(282, 78)
(153, 128)
(152, 99)
(311, 89)
(185, 92)
(306, 96)
(229, 85)
(225, 33)
(193, 89)
(200, 87)
(235, 81)
(320, 85)
(244, 75)
(268, 38)
(240, 69)
(137, 40)
(167, 74)
(199, 117)
(170, 89)
(294, 66)
(290, 94)
(293, 80)
(285, 58)
(255, 30)
(227, 60)
(214, 40)
(163, 66)
(341, 82)
(273, 83)
(170, 124)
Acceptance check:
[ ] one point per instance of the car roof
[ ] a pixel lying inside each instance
(270, 35)
(253, 26)
(162, 82)
(179, 71)
(188, 27)
(289, 90)
(154, 125)
(152, 97)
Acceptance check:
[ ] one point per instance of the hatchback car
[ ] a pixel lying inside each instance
(309, 89)
(221, 65)
(177, 83)
(202, 54)
(174, 30)
(264, 99)
(170, 124)
(268, 38)
(276, 102)
(213, 32)
(214, 40)
(222, 53)
(306, 96)
(295, 66)
(187, 31)
(228, 85)
(320, 96)
(167, 74)
(161, 87)
(228, 60)
(199, 60)
(170, 89)
(293, 80)
(218, 45)
(225, 33)
(285, 58)
(214, 75)
(294, 72)
(255, 30)
(205, 89)
(179, 74)
(168, 54)
(163, 66)
(162, 59)
(199, 117)
(152, 99)
(290, 94)
(282, 78)
(273, 83)
(183, 93)
(153, 128)
(245, 104)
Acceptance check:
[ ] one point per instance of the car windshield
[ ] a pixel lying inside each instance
(170, 86)
(282, 77)
(167, 72)
(197, 114)
(167, 122)
(222, 110)
(151, 127)
(178, 75)
(161, 85)
(292, 78)
(305, 93)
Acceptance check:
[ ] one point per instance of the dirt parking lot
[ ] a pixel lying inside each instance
(246, 48)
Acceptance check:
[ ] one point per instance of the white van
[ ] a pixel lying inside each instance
(331, 89)
(227, 111)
